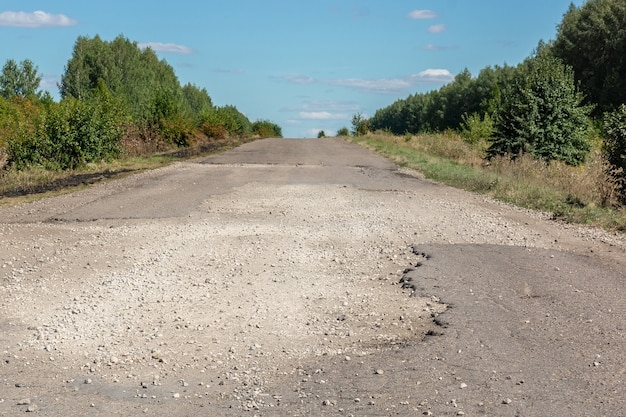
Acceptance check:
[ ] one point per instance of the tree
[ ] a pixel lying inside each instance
(541, 113)
(592, 39)
(19, 80)
(360, 125)
(196, 100)
(134, 75)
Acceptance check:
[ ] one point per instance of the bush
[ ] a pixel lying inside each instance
(360, 125)
(343, 132)
(224, 121)
(614, 146)
(266, 129)
(67, 134)
(321, 134)
(475, 129)
(540, 113)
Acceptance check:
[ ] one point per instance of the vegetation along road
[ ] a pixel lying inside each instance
(304, 277)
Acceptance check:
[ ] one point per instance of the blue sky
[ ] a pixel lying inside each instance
(306, 65)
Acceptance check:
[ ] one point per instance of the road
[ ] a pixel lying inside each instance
(305, 277)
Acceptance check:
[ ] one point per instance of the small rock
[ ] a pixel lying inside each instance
(379, 372)
(25, 401)
(32, 408)
(176, 395)
(88, 381)
(463, 385)
(507, 401)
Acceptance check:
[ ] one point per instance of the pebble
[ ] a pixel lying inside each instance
(379, 372)
(24, 401)
(32, 408)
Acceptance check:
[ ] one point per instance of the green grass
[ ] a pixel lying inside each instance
(572, 194)
(35, 183)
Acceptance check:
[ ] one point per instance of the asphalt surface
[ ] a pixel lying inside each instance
(536, 329)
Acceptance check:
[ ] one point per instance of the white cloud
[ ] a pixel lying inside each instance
(167, 47)
(437, 28)
(433, 76)
(298, 79)
(396, 85)
(230, 70)
(324, 105)
(312, 133)
(35, 19)
(431, 47)
(322, 115)
(422, 14)
(373, 85)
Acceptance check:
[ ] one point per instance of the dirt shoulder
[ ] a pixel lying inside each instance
(292, 277)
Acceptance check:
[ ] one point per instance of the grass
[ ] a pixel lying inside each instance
(36, 183)
(582, 195)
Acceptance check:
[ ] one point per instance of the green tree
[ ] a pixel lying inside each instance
(592, 39)
(360, 125)
(19, 80)
(134, 75)
(196, 101)
(541, 113)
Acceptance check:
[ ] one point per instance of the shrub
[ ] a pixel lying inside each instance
(475, 129)
(321, 134)
(614, 146)
(67, 134)
(224, 121)
(343, 132)
(360, 125)
(266, 129)
(540, 113)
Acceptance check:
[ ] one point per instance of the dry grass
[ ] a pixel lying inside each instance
(586, 194)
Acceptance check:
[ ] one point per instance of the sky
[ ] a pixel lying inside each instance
(305, 65)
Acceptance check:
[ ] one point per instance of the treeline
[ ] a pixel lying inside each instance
(559, 103)
(116, 99)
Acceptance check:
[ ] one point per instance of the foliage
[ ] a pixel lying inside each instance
(137, 77)
(541, 113)
(591, 38)
(196, 101)
(68, 134)
(321, 134)
(444, 109)
(343, 132)
(266, 129)
(360, 125)
(221, 122)
(614, 147)
(19, 80)
(475, 128)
